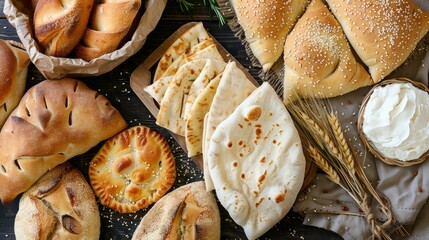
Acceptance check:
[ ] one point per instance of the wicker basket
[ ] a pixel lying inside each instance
(369, 145)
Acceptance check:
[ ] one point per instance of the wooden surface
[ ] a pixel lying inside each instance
(115, 85)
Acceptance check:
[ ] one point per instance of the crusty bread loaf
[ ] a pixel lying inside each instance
(109, 24)
(318, 59)
(13, 75)
(59, 25)
(61, 205)
(266, 24)
(189, 212)
(55, 121)
(383, 33)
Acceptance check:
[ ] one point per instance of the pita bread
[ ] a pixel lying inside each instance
(190, 38)
(189, 212)
(210, 71)
(170, 114)
(157, 88)
(233, 88)
(195, 120)
(318, 59)
(172, 69)
(256, 162)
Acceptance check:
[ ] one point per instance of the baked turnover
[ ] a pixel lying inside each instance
(132, 170)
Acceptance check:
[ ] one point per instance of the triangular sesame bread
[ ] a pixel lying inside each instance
(383, 33)
(266, 24)
(318, 60)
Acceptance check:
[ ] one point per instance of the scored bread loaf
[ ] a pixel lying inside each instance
(318, 60)
(59, 25)
(383, 33)
(266, 24)
(61, 205)
(189, 212)
(55, 121)
(109, 24)
(13, 75)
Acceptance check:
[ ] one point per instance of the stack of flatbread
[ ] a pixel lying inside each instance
(186, 83)
(251, 151)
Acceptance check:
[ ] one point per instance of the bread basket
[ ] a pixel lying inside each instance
(367, 143)
(55, 67)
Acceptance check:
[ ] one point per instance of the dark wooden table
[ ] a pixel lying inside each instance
(115, 86)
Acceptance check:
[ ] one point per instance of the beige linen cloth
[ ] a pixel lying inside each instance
(407, 188)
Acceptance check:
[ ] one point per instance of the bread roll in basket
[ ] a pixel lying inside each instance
(60, 67)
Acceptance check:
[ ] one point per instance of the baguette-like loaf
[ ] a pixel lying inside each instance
(61, 205)
(60, 24)
(383, 33)
(109, 24)
(318, 59)
(266, 24)
(13, 75)
(55, 121)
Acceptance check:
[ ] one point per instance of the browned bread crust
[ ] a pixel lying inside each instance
(133, 170)
(189, 212)
(383, 33)
(59, 25)
(109, 24)
(318, 59)
(13, 75)
(55, 121)
(266, 24)
(60, 205)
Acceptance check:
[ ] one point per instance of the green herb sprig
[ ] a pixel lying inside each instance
(187, 6)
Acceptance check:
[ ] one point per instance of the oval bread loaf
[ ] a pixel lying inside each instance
(109, 24)
(59, 25)
(13, 76)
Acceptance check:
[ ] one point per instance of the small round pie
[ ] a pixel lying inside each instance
(132, 170)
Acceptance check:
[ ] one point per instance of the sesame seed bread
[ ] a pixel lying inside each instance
(55, 121)
(13, 76)
(318, 59)
(60, 205)
(189, 212)
(266, 24)
(383, 33)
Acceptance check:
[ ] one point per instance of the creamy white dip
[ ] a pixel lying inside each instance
(396, 121)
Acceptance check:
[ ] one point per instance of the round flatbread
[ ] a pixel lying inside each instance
(256, 162)
(60, 205)
(189, 212)
(132, 170)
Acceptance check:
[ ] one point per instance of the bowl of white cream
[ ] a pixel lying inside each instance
(393, 121)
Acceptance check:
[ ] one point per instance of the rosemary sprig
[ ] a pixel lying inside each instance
(187, 6)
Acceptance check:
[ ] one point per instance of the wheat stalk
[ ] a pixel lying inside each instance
(345, 149)
(325, 143)
(324, 165)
